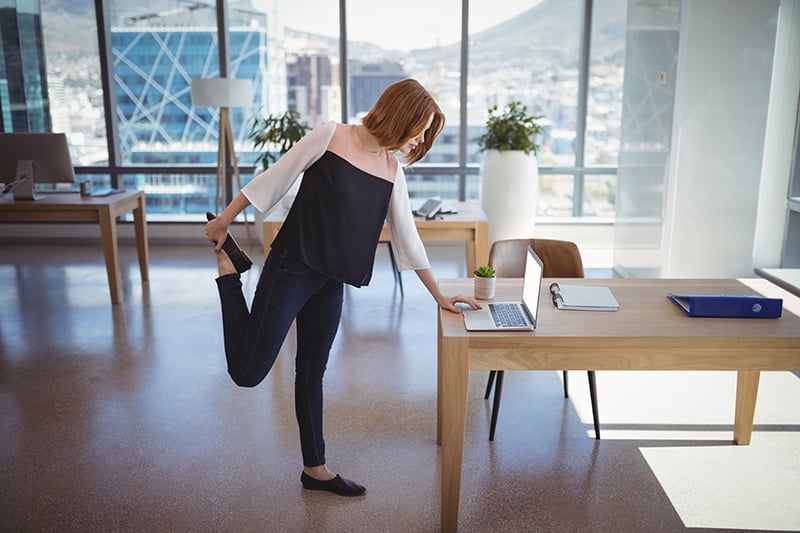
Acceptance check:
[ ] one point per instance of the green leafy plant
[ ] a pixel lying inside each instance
(511, 129)
(484, 271)
(275, 131)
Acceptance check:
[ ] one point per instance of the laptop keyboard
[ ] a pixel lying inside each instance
(507, 315)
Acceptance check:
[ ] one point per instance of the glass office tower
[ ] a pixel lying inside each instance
(155, 60)
(156, 56)
(367, 82)
(24, 102)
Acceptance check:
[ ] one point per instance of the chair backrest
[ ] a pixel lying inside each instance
(561, 259)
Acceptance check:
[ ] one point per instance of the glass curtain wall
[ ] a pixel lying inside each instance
(159, 47)
(603, 108)
(72, 78)
(420, 40)
(24, 101)
(310, 45)
(532, 57)
(531, 50)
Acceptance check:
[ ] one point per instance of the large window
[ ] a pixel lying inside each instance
(73, 79)
(419, 39)
(596, 188)
(546, 53)
(532, 57)
(309, 40)
(535, 57)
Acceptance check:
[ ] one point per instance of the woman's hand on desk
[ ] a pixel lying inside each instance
(449, 303)
(444, 301)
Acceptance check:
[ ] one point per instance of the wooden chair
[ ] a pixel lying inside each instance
(561, 259)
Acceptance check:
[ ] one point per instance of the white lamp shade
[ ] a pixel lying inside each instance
(221, 92)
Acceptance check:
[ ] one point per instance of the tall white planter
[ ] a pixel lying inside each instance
(509, 192)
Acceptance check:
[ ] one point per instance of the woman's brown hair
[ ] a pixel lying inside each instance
(400, 114)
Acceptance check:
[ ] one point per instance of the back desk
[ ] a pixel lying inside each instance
(70, 207)
(469, 225)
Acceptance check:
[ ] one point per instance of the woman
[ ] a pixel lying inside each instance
(352, 183)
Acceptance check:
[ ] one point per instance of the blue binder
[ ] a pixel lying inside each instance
(725, 305)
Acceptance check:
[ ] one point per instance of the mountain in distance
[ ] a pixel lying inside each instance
(73, 21)
(553, 26)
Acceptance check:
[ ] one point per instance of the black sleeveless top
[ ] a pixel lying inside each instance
(336, 220)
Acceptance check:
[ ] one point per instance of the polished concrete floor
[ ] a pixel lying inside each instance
(122, 418)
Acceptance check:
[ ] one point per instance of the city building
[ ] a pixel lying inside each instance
(24, 97)
(311, 79)
(367, 82)
(156, 57)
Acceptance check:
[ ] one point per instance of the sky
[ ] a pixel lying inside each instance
(403, 24)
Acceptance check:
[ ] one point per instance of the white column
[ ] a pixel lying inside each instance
(722, 100)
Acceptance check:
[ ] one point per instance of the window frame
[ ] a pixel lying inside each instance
(461, 169)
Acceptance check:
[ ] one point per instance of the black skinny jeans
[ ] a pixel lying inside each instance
(287, 290)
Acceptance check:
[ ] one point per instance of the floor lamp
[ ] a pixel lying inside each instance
(224, 93)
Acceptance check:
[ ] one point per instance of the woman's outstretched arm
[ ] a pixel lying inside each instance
(445, 302)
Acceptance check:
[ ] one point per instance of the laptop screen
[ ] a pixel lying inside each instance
(532, 284)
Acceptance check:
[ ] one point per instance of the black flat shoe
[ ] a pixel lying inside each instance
(337, 485)
(241, 261)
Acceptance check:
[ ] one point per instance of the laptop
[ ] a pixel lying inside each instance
(511, 316)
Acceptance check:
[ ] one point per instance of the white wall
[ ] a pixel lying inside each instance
(779, 142)
(722, 98)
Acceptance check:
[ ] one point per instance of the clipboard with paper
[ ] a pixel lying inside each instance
(583, 297)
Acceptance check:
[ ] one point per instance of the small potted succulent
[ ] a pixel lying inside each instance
(484, 282)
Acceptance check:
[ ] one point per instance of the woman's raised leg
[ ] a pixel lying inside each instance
(254, 337)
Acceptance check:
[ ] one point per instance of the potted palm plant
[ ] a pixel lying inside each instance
(484, 282)
(275, 132)
(509, 174)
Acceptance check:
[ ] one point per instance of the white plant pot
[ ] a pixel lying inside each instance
(484, 288)
(509, 193)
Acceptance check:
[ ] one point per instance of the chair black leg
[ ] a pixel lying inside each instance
(489, 384)
(593, 396)
(498, 391)
(398, 278)
(566, 386)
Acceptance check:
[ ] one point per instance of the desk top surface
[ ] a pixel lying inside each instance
(645, 312)
(470, 212)
(65, 200)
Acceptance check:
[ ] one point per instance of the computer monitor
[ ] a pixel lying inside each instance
(29, 158)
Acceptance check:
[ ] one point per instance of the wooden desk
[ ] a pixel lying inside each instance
(70, 207)
(469, 225)
(647, 333)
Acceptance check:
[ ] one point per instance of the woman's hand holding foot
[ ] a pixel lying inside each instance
(217, 232)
